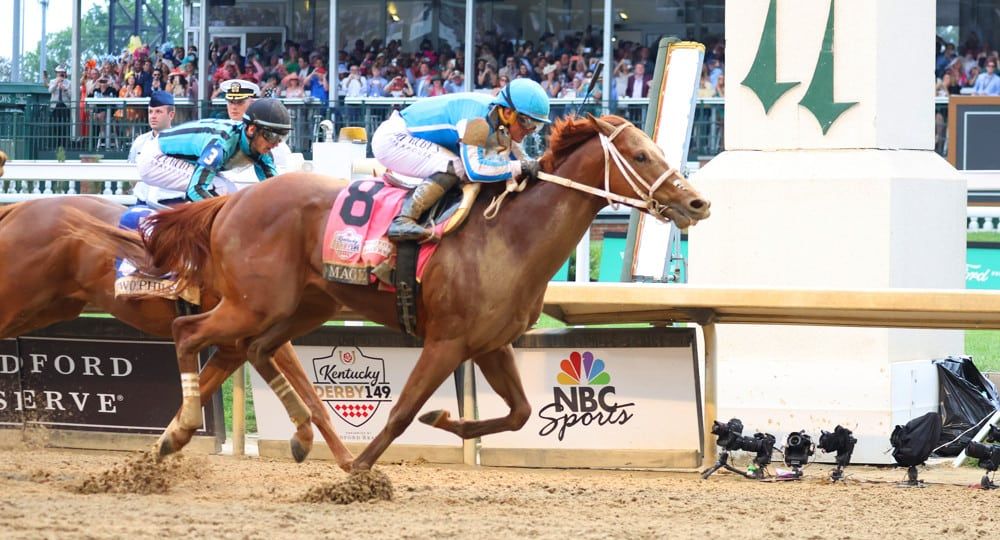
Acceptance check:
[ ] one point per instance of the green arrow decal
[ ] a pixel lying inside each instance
(819, 96)
(763, 75)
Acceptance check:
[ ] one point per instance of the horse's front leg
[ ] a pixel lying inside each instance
(500, 371)
(437, 362)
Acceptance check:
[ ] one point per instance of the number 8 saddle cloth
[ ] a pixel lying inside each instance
(356, 249)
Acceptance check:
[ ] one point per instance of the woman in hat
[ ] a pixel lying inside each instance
(293, 86)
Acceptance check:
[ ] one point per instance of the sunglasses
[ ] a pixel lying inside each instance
(273, 137)
(527, 123)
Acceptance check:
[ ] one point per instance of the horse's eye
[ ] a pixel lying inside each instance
(641, 157)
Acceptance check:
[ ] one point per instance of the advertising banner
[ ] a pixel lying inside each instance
(94, 383)
(596, 405)
(359, 384)
(128, 386)
(982, 266)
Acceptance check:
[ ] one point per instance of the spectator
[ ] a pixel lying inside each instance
(988, 84)
(437, 87)
(638, 83)
(355, 84)
(399, 87)
(502, 82)
(60, 97)
(317, 81)
(455, 82)
(292, 85)
(550, 84)
(145, 78)
(423, 82)
(376, 84)
(272, 86)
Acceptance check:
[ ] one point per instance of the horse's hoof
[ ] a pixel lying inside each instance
(347, 466)
(299, 450)
(164, 448)
(434, 418)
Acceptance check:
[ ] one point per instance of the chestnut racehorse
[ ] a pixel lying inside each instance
(48, 276)
(482, 289)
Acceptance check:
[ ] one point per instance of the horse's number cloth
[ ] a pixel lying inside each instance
(355, 240)
(129, 281)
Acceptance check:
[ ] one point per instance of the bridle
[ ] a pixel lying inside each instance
(639, 185)
(643, 189)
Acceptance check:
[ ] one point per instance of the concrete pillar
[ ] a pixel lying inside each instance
(829, 180)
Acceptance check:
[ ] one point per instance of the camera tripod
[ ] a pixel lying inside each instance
(723, 463)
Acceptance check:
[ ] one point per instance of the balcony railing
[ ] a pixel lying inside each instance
(107, 126)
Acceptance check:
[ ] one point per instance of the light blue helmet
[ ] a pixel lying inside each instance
(526, 97)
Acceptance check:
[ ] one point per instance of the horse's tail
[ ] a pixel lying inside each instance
(122, 242)
(179, 240)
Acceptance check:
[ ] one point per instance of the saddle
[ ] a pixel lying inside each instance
(357, 251)
(130, 282)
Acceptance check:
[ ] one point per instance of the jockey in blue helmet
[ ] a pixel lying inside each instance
(464, 135)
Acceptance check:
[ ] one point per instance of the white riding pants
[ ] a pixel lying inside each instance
(399, 151)
(169, 176)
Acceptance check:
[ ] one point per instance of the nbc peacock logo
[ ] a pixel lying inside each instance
(584, 397)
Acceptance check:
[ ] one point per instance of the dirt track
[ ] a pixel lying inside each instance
(221, 496)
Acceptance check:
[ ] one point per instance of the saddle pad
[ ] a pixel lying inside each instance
(130, 282)
(355, 239)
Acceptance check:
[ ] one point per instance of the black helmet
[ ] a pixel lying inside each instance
(269, 113)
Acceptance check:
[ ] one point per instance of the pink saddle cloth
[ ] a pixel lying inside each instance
(355, 239)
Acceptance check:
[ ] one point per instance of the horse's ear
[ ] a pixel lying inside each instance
(601, 125)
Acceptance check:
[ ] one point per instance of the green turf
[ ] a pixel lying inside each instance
(227, 405)
(983, 236)
(984, 347)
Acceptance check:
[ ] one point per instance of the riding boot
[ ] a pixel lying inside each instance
(405, 226)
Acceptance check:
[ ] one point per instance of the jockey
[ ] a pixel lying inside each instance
(188, 158)
(466, 135)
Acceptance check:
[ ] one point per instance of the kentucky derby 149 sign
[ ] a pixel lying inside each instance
(602, 398)
(359, 384)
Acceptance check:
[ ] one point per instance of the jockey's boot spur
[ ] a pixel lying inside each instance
(405, 226)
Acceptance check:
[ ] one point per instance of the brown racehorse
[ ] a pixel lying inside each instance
(49, 276)
(482, 289)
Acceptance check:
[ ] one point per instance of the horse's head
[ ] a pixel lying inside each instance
(637, 168)
(634, 170)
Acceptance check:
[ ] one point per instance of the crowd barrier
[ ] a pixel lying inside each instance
(107, 126)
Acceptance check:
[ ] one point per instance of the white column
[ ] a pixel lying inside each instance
(608, 58)
(470, 46)
(830, 181)
(15, 65)
(204, 78)
(75, 67)
(334, 52)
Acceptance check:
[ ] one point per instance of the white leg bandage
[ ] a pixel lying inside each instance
(296, 409)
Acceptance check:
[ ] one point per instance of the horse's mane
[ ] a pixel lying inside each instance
(567, 134)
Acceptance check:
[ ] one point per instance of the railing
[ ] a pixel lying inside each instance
(983, 218)
(107, 126)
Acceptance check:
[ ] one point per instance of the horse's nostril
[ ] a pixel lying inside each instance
(698, 204)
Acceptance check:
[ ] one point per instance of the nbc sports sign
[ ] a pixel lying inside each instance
(601, 398)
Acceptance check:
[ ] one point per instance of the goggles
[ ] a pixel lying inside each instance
(528, 124)
(272, 137)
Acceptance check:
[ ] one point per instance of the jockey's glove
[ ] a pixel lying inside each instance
(189, 197)
(529, 168)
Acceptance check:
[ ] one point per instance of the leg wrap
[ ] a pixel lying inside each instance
(190, 417)
(296, 409)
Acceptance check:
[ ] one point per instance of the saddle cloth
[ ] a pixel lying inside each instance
(355, 239)
(130, 282)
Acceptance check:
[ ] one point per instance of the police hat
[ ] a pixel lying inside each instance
(238, 89)
(161, 98)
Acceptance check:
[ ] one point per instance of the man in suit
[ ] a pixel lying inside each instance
(638, 83)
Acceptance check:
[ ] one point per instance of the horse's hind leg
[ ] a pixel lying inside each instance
(500, 371)
(287, 362)
(437, 361)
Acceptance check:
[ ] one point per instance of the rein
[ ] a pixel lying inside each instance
(639, 185)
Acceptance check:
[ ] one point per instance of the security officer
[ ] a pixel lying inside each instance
(239, 95)
(161, 116)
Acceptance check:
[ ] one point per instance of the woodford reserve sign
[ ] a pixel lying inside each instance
(72, 376)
